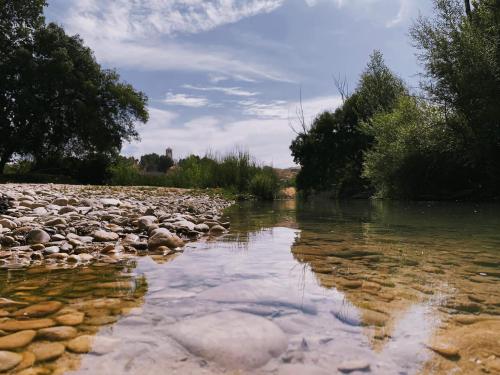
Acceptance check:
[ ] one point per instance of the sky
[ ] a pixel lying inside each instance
(226, 74)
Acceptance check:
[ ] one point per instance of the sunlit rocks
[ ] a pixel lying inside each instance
(57, 333)
(20, 325)
(104, 236)
(39, 309)
(70, 319)
(17, 340)
(445, 349)
(5, 302)
(27, 361)
(9, 360)
(37, 236)
(163, 239)
(45, 351)
(92, 344)
(232, 339)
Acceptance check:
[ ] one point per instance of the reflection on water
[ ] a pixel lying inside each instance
(307, 288)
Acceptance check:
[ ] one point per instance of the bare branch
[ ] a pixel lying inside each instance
(342, 86)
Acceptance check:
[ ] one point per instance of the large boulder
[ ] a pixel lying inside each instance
(232, 339)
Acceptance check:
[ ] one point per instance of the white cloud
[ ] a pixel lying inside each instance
(266, 137)
(141, 34)
(186, 100)
(232, 91)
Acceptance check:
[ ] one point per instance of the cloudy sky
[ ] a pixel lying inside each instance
(222, 74)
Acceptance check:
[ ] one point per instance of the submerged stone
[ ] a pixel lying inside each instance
(232, 339)
(17, 340)
(9, 360)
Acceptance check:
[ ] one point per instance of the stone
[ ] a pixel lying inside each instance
(57, 333)
(145, 221)
(56, 221)
(67, 209)
(172, 241)
(37, 236)
(445, 349)
(184, 224)
(40, 211)
(60, 201)
(17, 340)
(104, 236)
(202, 228)
(39, 309)
(20, 325)
(27, 361)
(36, 371)
(232, 339)
(92, 344)
(101, 320)
(70, 319)
(217, 230)
(110, 202)
(45, 351)
(353, 365)
(5, 302)
(9, 360)
(9, 224)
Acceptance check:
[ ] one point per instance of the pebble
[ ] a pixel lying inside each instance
(17, 340)
(104, 236)
(37, 236)
(71, 319)
(445, 349)
(39, 309)
(45, 351)
(9, 360)
(57, 333)
(27, 361)
(20, 325)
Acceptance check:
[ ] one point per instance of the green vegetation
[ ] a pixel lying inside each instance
(60, 109)
(444, 144)
(235, 172)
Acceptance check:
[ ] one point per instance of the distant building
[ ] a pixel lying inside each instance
(169, 154)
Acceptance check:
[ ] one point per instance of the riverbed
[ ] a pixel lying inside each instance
(294, 288)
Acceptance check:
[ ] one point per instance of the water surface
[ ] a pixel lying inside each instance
(357, 287)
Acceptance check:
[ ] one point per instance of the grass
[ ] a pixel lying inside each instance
(236, 172)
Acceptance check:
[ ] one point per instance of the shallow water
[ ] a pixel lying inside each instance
(306, 288)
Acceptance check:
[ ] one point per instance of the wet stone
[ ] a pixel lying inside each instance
(45, 351)
(20, 325)
(354, 365)
(40, 309)
(71, 319)
(17, 340)
(57, 333)
(9, 360)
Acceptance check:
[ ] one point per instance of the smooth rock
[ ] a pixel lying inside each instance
(20, 325)
(71, 319)
(40, 309)
(9, 360)
(104, 236)
(17, 340)
(57, 333)
(27, 361)
(354, 365)
(232, 339)
(217, 230)
(161, 239)
(45, 351)
(92, 344)
(37, 236)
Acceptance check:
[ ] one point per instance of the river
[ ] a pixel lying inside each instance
(313, 287)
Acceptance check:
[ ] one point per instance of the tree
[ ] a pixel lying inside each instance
(156, 163)
(461, 57)
(331, 151)
(57, 101)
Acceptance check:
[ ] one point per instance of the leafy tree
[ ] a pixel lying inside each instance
(331, 151)
(460, 50)
(415, 153)
(57, 102)
(156, 163)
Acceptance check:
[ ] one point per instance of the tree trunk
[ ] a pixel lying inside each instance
(468, 9)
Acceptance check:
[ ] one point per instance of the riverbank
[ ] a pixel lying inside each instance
(72, 225)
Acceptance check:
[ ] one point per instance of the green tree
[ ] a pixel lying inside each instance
(330, 153)
(156, 163)
(57, 101)
(460, 50)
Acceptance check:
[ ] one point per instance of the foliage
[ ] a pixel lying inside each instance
(461, 56)
(331, 151)
(156, 163)
(57, 102)
(414, 153)
(235, 172)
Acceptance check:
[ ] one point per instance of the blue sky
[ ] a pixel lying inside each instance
(222, 74)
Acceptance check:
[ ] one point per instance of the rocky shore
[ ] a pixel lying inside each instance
(67, 225)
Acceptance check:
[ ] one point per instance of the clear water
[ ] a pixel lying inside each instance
(357, 287)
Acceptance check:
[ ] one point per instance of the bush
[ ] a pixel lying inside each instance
(415, 154)
(264, 184)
